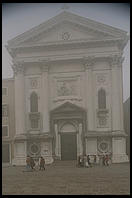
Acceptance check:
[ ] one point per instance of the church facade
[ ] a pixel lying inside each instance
(68, 90)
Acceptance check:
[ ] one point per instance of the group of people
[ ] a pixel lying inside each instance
(31, 164)
(91, 160)
(105, 160)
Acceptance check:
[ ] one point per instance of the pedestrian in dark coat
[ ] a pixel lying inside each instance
(107, 160)
(32, 163)
(28, 163)
(88, 160)
(42, 164)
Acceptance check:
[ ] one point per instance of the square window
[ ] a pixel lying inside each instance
(4, 131)
(4, 91)
(4, 110)
(34, 123)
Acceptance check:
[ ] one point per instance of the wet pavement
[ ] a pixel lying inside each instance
(65, 178)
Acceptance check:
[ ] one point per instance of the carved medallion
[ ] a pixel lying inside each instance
(34, 148)
(104, 145)
(66, 36)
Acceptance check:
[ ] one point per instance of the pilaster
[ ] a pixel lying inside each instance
(19, 98)
(115, 62)
(88, 64)
(45, 95)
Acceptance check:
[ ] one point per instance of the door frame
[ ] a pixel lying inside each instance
(68, 133)
(67, 112)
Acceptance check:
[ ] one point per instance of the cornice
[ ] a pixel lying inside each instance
(87, 61)
(66, 43)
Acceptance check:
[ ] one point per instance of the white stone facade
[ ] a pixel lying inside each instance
(66, 61)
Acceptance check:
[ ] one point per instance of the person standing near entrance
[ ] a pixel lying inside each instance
(28, 163)
(42, 164)
(32, 163)
(88, 160)
(95, 159)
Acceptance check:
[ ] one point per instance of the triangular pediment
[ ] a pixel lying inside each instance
(67, 107)
(67, 26)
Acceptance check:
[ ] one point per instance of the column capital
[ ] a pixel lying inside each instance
(116, 61)
(18, 68)
(88, 62)
(45, 64)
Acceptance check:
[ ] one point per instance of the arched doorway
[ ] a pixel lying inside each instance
(68, 142)
(68, 126)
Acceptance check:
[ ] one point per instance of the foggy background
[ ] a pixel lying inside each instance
(20, 17)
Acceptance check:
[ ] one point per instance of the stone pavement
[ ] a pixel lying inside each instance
(65, 178)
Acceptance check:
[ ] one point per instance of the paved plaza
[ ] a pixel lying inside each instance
(65, 178)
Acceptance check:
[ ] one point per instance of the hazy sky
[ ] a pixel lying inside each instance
(20, 17)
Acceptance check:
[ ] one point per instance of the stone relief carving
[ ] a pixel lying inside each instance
(66, 88)
(104, 145)
(34, 149)
(101, 78)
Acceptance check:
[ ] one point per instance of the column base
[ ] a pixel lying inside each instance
(120, 158)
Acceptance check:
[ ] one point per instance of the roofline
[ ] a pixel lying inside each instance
(84, 21)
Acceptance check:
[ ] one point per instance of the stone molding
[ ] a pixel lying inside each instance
(87, 61)
(66, 44)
